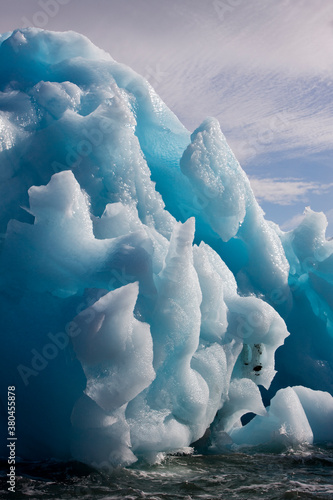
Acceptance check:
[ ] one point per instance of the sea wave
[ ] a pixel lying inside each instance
(296, 473)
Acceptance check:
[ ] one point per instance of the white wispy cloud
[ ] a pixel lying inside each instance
(248, 63)
(263, 68)
(329, 215)
(242, 62)
(287, 191)
(292, 222)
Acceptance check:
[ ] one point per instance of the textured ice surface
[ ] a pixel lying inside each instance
(297, 415)
(143, 293)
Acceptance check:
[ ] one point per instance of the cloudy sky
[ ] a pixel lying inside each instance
(264, 68)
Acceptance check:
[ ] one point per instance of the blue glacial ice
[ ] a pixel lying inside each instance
(144, 297)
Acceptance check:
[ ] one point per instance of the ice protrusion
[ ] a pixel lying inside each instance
(176, 319)
(310, 256)
(248, 321)
(224, 200)
(214, 310)
(116, 353)
(243, 397)
(296, 416)
(217, 178)
(284, 425)
(114, 348)
(318, 407)
(190, 379)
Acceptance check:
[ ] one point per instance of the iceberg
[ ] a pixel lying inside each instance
(146, 302)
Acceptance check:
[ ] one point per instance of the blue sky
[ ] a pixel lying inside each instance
(264, 68)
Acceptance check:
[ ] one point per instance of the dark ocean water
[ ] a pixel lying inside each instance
(306, 473)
